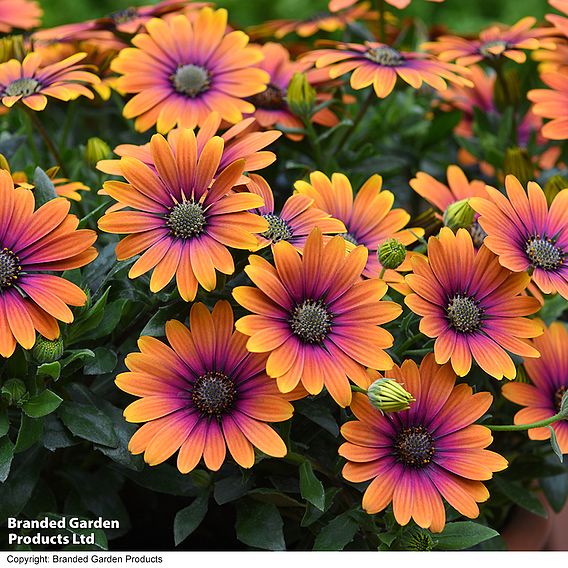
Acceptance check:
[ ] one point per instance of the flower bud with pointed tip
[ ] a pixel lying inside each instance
(391, 254)
(518, 163)
(301, 96)
(47, 350)
(14, 392)
(12, 47)
(553, 187)
(459, 215)
(388, 395)
(95, 151)
(418, 540)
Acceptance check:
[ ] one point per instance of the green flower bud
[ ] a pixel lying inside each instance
(419, 541)
(12, 47)
(389, 396)
(301, 96)
(95, 151)
(518, 163)
(47, 350)
(14, 392)
(459, 215)
(553, 187)
(391, 254)
(521, 376)
(429, 221)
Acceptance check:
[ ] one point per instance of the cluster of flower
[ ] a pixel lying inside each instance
(324, 261)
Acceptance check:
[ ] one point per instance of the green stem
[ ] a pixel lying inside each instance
(418, 237)
(314, 142)
(521, 427)
(31, 139)
(382, 28)
(355, 388)
(47, 139)
(409, 342)
(362, 111)
(498, 67)
(383, 270)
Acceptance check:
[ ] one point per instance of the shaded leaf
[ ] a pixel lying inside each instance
(337, 534)
(188, 519)
(30, 432)
(521, 496)
(260, 525)
(6, 457)
(42, 404)
(104, 361)
(88, 423)
(462, 535)
(311, 487)
(52, 370)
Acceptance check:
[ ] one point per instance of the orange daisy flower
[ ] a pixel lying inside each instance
(201, 394)
(551, 60)
(559, 22)
(271, 106)
(19, 14)
(549, 377)
(418, 456)
(316, 318)
(368, 216)
(296, 220)
(471, 305)
(379, 65)
(552, 103)
(31, 84)
(181, 216)
(336, 5)
(493, 43)
(526, 234)
(33, 245)
(181, 70)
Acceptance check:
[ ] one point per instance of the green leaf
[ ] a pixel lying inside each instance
(100, 536)
(156, 326)
(42, 404)
(55, 435)
(337, 534)
(462, 535)
(554, 307)
(230, 489)
(111, 319)
(104, 362)
(164, 479)
(555, 487)
(441, 127)
(89, 423)
(6, 457)
(30, 432)
(4, 421)
(44, 189)
(76, 354)
(52, 370)
(188, 519)
(318, 412)
(554, 444)
(260, 525)
(313, 514)
(311, 487)
(521, 496)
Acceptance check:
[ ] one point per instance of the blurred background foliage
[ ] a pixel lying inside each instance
(464, 16)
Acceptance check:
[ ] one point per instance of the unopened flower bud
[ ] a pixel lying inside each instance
(389, 396)
(553, 187)
(507, 92)
(4, 165)
(521, 376)
(47, 350)
(96, 150)
(518, 163)
(12, 47)
(418, 540)
(391, 254)
(459, 215)
(301, 96)
(13, 391)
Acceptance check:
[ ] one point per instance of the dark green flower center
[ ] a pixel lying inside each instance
(350, 238)
(124, 16)
(385, 55)
(484, 49)
(543, 253)
(191, 80)
(464, 313)
(278, 229)
(23, 87)
(414, 446)
(558, 395)
(186, 220)
(214, 393)
(272, 98)
(311, 321)
(477, 234)
(9, 268)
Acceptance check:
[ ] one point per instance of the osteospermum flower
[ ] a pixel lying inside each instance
(181, 70)
(201, 394)
(526, 234)
(296, 219)
(19, 14)
(31, 84)
(335, 5)
(494, 42)
(368, 216)
(559, 22)
(33, 245)
(315, 317)
(549, 377)
(418, 456)
(552, 103)
(180, 217)
(379, 65)
(471, 305)
(63, 186)
(271, 106)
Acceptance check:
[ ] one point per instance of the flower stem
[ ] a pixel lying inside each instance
(521, 427)
(381, 9)
(314, 142)
(355, 388)
(362, 111)
(409, 342)
(47, 139)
